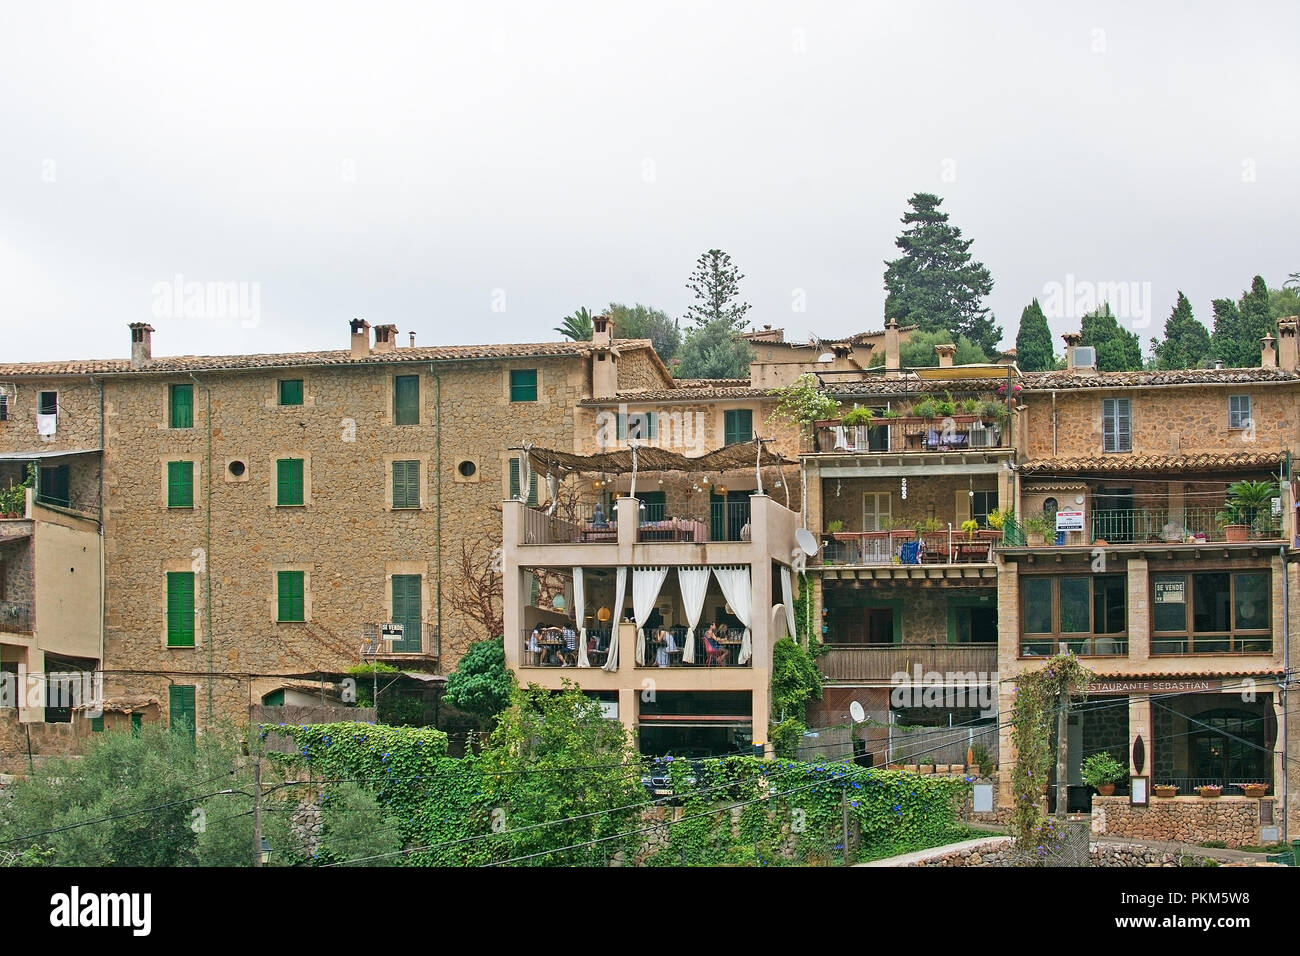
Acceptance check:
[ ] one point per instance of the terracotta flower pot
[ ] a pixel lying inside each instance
(1209, 793)
(1165, 791)
(1255, 789)
(1106, 790)
(1236, 532)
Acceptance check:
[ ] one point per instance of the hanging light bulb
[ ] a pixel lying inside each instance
(903, 491)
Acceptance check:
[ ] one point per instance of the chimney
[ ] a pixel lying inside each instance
(891, 348)
(412, 340)
(602, 330)
(1287, 356)
(1268, 352)
(945, 352)
(1072, 342)
(360, 338)
(141, 344)
(385, 338)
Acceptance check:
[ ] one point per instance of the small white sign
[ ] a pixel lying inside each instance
(1069, 521)
(983, 798)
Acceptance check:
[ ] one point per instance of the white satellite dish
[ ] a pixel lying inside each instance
(826, 357)
(857, 713)
(807, 543)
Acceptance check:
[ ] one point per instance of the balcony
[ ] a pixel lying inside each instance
(15, 618)
(875, 548)
(909, 434)
(1175, 526)
(880, 662)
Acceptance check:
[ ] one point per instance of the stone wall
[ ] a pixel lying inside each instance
(999, 853)
(77, 426)
(935, 497)
(637, 369)
(16, 566)
(1234, 820)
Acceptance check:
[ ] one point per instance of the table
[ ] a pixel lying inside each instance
(732, 647)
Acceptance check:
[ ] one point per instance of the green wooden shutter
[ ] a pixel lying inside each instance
(406, 484)
(180, 705)
(180, 608)
(408, 611)
(180, 484)
(514, 482)
(291, 391)
(182, 406)
(738, 425)
(534, 589)
(289, 484)
(137, 721)
(289, 587)
(97, 724)
(523, 385)
(406, 400)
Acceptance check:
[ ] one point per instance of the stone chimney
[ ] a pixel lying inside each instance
(604, 358)
(1072, 342)
(360, 338)
(141, 344)
(891, 348)
(385, 338)
(1268, 352)
(602, 330)
(412, 340)
(945, 353)
(1287, 356)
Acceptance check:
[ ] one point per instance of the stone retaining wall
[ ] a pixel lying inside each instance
(1233, 820)
(999, 853)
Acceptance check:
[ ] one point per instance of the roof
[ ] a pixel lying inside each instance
(200, 363)
(712, 383)
(1224, 671)
(121, 705)
(1087, 378)
(680, 395)
(910, 385)
(1129, 464)
(727, 458)
(47, 453)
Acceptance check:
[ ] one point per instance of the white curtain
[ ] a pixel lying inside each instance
(646, 583)
(580, 615)
(787, 595)
(694, 582)
(735, 588)
(620, 587)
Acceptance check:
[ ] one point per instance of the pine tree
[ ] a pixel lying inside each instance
(1118, 349)
(716, 284)
(1186, 342)
(935, 284)
(1034, 341)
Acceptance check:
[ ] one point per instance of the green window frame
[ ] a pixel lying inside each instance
(738, 426)
(180, 484)
(406, 400)
(289, 482)
(406, 484)
(182, 406)
(409, 612)
(514, 483)
(180, 708)
(290, 596)
(290, 391)
(523, 385)
(180, 608)
(97, 724)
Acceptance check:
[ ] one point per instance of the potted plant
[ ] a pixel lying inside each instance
(970, 406)
(1103, 771)
(996, 519)
(1037, 528)
(1165, 790)
(1209, 791)
(992, 413)
(1249, 506)
(1254, 789)
(926, 408)
(946, 407)
(834, 527)
(970, 527)
(858, 416)
(891, 413)
(981, 758)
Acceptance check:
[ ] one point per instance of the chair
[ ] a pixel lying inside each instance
(714, 654)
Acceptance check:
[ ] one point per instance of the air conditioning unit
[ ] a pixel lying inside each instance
(1085, 356)
(982, 437)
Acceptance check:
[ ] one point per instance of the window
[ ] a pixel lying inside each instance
(289, 595)
(182, 406)
(180, 608)
(641, 425)
(180, 484)
(288, 482)
(1238, 411)
(180, 707)
(655, 504)
(1116, 425)
(48, 403)
(523, 385)
(406, 400)
(4, 407)
(290, 391)
(406, 484)
(54, 485)
(514, 482)
(875, 510)
(1087, 612)
(97, 724)
(981, 503)
(408, 611)
(1211, 612)
(738, 426)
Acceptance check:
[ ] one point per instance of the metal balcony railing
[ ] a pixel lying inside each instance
(953, 433)
(15, 618)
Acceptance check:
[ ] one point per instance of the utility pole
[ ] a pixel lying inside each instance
(844, 806)
(257, 809)
(1062, 749)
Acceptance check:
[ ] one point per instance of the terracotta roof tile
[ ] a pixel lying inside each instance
(1216, 672)
(1128, 464)
(1037, 381)
(679, 395)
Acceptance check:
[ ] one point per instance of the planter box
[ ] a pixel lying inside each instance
(1236, 532)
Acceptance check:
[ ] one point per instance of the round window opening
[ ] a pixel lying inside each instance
(467, 469)
(237, 468)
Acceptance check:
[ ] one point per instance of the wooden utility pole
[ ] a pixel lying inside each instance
(257, 810)
(1062, 750)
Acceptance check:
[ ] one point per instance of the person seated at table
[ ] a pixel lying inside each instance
(666, 645)
(570, 655)
(714, 654)
(535, 646)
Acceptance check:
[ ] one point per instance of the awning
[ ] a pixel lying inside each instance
(648, 458)
(45, 453)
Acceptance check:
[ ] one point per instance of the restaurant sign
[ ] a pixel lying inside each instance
(1163, 685)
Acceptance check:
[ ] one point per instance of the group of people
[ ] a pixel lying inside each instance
(550, 646)
(715, 654)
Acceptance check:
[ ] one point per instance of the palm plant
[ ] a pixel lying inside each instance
(577, 326)
(1249, 502)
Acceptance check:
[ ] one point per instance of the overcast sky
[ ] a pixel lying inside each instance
(474, 172)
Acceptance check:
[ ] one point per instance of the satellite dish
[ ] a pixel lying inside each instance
(826, 357)
(856, 712)
(807, 543)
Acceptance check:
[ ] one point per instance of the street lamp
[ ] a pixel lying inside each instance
(266, 851)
